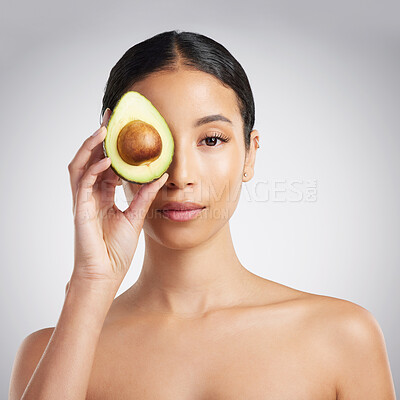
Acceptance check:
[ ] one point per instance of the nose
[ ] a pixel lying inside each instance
(182, 168)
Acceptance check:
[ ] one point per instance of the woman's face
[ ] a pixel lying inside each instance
(204, 171)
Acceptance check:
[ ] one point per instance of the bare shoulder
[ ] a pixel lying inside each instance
(27, 357)
(343, 322)
(319, 308)
(340, 321)
(356, 344)
(35, 342)
(348, 337)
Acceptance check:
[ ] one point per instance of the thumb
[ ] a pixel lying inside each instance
(140, 205)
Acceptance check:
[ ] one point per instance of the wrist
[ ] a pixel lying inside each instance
(90, 301)
(92, 288)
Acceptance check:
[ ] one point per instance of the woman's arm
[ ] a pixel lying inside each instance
(63, 371)
(105, 243)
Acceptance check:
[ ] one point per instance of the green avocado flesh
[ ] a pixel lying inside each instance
(138, 140)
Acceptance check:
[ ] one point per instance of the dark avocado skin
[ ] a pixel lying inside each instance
(116, 172)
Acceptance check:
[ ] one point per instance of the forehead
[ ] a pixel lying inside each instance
(189, 94)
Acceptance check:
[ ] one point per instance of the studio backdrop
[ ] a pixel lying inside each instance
(321, 213)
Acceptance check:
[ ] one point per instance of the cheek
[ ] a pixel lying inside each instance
(224, 177)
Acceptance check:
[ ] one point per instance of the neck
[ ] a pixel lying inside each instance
(193, 281)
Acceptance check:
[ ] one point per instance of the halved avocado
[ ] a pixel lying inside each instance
(138, 140)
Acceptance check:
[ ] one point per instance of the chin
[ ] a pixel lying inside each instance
(180, 236)
(177, 242)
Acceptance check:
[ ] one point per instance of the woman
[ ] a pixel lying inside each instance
(196, 324)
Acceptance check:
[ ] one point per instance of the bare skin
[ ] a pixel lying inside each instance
(270, 346)
(278, 343)
(251, 350)
(197, 324)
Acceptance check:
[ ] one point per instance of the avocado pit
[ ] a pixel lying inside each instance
(139, 143)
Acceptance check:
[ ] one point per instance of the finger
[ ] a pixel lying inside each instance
(79, 163)
(85, 185)
(106, 117)
(106, 183)
(98, 152)
(97, 155)
(140, 205)
(107, 180)
(111, 178)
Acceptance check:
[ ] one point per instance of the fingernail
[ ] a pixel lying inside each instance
(108, 110)
(105, 111)
(167, 176)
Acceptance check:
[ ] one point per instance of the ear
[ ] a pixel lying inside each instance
(251, 156)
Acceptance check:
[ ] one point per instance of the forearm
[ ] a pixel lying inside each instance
(65, 367)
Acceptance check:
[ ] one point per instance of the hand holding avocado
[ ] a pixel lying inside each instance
(105, 237)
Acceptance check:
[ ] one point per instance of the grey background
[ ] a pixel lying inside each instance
(325, 77)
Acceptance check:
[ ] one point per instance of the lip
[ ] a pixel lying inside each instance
(181, 206)
(183, 215)
(177, 211)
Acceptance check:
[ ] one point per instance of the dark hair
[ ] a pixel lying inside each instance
(168, 50)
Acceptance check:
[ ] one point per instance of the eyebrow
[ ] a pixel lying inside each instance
(211, 118)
